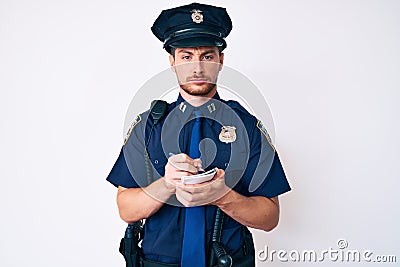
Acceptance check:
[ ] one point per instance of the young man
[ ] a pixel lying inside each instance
(180, 217)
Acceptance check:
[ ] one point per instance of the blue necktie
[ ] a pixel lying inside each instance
(193, 247)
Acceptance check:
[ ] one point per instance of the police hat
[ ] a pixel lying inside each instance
(192, 26)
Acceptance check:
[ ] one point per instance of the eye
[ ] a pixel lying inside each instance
(186, 57)
(208, 57)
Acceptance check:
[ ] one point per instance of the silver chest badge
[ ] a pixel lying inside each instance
(197, 17)
(228, 134)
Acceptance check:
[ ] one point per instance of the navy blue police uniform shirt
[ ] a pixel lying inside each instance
(252, 167)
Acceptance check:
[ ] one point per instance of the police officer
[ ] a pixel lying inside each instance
(198, 131)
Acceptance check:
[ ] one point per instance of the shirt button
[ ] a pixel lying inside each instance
(156, 161)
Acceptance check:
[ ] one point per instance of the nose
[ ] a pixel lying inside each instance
(198, 67)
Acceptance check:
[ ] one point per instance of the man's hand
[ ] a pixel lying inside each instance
(204, 193)
(179, 165)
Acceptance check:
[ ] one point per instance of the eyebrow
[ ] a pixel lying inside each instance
(189, 52)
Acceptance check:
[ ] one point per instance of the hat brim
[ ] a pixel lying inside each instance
(195, 41)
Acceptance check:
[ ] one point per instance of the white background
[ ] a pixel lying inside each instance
(68, 70)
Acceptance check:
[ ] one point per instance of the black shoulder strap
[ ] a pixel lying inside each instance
(158, 108)
(129, 246)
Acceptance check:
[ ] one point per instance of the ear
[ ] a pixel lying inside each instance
(172, 62)
(221, 60)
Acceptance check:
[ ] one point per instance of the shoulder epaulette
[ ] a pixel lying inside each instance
(264, 131)
(133, 124)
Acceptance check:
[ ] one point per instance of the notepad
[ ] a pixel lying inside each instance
(199, 178)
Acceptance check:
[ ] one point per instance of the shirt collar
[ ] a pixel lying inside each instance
(209, 109)
(180, 99)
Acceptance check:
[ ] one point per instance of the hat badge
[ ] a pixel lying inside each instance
(228, 134)
(197, 17)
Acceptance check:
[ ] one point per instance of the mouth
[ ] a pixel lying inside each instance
(198, 80)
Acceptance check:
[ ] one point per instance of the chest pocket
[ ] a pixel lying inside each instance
(158, 162)
(159, 165)
(231, 159)
(222, 157)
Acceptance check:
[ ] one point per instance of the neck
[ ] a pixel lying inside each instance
(197, 100)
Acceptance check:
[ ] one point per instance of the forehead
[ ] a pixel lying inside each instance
(197, 50)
